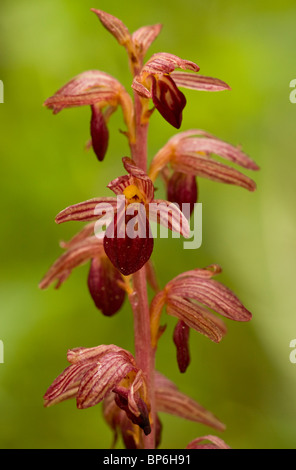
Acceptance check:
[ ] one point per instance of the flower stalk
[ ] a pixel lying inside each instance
(131, 390)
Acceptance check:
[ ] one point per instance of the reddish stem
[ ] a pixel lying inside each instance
(143, 350)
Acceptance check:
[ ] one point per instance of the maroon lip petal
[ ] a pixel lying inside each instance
(127, 254)
(99, 133)
(168, 99)
(103, 286)
(181, 338)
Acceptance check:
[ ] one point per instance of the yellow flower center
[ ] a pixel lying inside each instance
(133, 194)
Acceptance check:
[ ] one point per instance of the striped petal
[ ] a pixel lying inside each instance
(163, 62)
(169, 215)
(213, 145)
(198, 82)
(206, 167)
(196, 317)
(170, 400)
(114, 25)
(66, 385)
(143, 37)
(89, 210)
(76, 255)
(87, 88)
(102, 378)
(213, 295)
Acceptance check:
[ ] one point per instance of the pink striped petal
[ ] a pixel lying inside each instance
(77, 355)
(212, 145)
(169, 215)
(196, 317)
(204, 273)
(201, 165)
(86, 88)
(66, 385)
(213, 295)
(170, 400)
(198, 82)
(102, 378)
(119, 184)
(139, 88)
(89, 210)
(163, 62)
(77, 255)
(115, 26)
(143, 37)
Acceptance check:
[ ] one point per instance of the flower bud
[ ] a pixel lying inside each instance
(103, 286)
(181, 337)
(99, 132)
(182, 188)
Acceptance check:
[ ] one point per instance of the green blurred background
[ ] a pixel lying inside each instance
(247, 380)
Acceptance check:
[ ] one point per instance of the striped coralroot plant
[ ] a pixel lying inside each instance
(133, 393)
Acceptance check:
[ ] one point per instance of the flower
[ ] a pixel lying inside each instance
(159, 81)
(105, 283)
(100, 91)
(168, 399)
(94, 374)
(189, 154)
(190, 297)
(128, 240)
